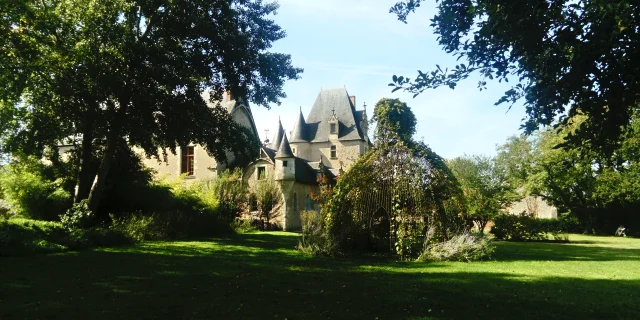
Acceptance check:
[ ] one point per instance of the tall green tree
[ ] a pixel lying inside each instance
(602, 192)
(132, 72)
(485, 186)
(394, 120)
(567, 57)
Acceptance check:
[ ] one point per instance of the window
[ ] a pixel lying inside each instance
(333, 152)
(284, 163)
(307, 203)
(187, 161)
(294, 150)
(295, 202)
(261, 173)
(334, 128)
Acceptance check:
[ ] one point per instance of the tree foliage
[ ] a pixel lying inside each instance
(485, 186)
(565, 57)
(132, 72)
(394, 120)
(603, 192)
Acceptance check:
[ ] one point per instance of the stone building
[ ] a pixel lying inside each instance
(328, 141)
(192, 160)
(333, 135)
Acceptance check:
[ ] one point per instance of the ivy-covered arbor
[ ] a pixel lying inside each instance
(390, 198)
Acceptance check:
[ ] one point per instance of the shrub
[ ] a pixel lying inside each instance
(78, 216)
(5, 210)
(24, 236)
(527, 228)
(170, 225)
(246, 225)
(314, 240)
(462, 247)
(31, 194)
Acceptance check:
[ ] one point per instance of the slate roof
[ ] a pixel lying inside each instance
(327, 101)
(284, 150)
(299, 133)
(277, 137)
(304, 172)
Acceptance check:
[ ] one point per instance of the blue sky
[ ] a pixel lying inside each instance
(357, 44)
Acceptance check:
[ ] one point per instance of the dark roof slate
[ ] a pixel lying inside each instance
(284, 151)
(299, 133)
(304, 172)
(277, 137)
(328, 101)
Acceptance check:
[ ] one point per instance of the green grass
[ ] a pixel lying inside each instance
(261, 276)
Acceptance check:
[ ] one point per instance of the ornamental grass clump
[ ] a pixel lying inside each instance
(464, 247)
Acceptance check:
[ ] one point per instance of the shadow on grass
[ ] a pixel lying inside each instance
(255, 277)
(512, 251)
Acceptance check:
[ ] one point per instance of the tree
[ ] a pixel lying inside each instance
(394, 119)
(269, 197)
(569, 57)
(485, 187)
(602, 192)
(518, 159)
(116, 72)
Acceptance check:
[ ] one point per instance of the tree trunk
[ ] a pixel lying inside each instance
(97, 189)
(84, 181)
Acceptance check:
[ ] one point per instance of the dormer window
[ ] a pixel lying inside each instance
(334, 128)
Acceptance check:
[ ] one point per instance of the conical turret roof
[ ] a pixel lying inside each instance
(299, 133)
(277, 138)
(284, 151)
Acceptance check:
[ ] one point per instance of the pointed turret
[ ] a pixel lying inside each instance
(299, 133)
(277, 138)
(284, 150)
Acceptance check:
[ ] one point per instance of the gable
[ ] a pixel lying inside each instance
(328, 102)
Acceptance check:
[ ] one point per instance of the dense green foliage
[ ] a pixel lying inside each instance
(394, 119)
(389, 198)
(566, 57)
(33, 190)
(603, 192)
(24, 237)
(485, 187)
(526, 228)
(262, 276)
(120, 73)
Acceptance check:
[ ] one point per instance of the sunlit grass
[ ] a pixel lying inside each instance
(262, 276)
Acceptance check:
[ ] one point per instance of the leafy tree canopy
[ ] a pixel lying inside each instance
(602, 192)
(133, 71)
(394, 119)
(485, 186)
(567, 57)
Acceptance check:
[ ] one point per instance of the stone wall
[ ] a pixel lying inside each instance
(296, 196)
(535, 206)
(346, 151)
(205, 166)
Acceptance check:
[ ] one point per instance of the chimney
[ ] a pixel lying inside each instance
(353, 100)
(229, 96)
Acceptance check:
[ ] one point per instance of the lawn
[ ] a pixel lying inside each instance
(262, 276)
